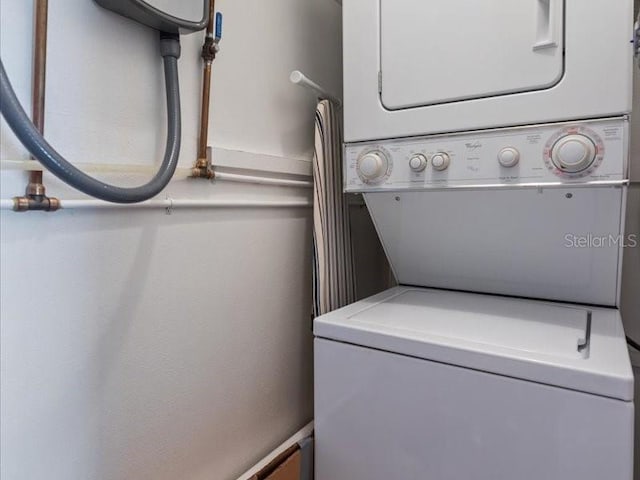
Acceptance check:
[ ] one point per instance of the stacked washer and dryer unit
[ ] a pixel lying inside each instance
(491, 143)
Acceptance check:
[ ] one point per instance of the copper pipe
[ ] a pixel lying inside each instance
(203, 166)
(40, 63)
(35, 194)
(204, 111)
(39, 75)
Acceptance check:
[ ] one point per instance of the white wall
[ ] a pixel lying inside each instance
(631, 269)
(141, 345)
(105, 78)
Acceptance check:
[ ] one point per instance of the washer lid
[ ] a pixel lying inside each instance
(562, 345)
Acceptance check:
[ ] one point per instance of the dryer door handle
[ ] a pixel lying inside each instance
(547, 18)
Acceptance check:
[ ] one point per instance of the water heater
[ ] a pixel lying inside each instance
(169, 16)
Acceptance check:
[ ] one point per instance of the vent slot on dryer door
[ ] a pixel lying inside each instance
(444, 51)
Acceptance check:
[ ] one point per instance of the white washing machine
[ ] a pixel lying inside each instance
(445, 384)
(491, 143)
(416, 384)
(415, 67)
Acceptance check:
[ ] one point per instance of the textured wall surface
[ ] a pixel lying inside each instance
(141, 345)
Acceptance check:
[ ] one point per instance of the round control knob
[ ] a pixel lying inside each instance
(372, 166)
(573, 153)
(418, 162)
(508, 157)
(440, 161)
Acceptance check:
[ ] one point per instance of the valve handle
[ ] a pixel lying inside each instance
(218, 26)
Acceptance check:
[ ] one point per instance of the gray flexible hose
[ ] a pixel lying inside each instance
(33, 141)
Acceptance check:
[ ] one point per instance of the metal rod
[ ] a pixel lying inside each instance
(299, 78)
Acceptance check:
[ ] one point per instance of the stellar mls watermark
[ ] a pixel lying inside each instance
(590, 240)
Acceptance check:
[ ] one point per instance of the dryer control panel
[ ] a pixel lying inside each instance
(553, 154)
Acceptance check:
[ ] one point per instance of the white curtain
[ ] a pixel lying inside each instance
(334, 279)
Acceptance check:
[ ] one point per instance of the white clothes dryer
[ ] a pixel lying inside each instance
(415, 67)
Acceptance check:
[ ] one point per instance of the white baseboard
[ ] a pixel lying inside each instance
(300, 435)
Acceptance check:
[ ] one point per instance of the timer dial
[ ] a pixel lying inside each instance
(573, 153)
(373, 166)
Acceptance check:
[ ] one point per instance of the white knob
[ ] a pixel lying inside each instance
(372, 166)
(573, 153)
(508, 157)
(440, 161)
(418, 162)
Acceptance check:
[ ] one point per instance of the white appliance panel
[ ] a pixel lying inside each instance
(381, 415)
(431, 50)
(552, 243)
(475, 158)
(596, 78)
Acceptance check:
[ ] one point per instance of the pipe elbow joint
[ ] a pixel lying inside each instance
(170, 44)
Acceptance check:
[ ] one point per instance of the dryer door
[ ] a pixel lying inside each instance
(444, 51)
